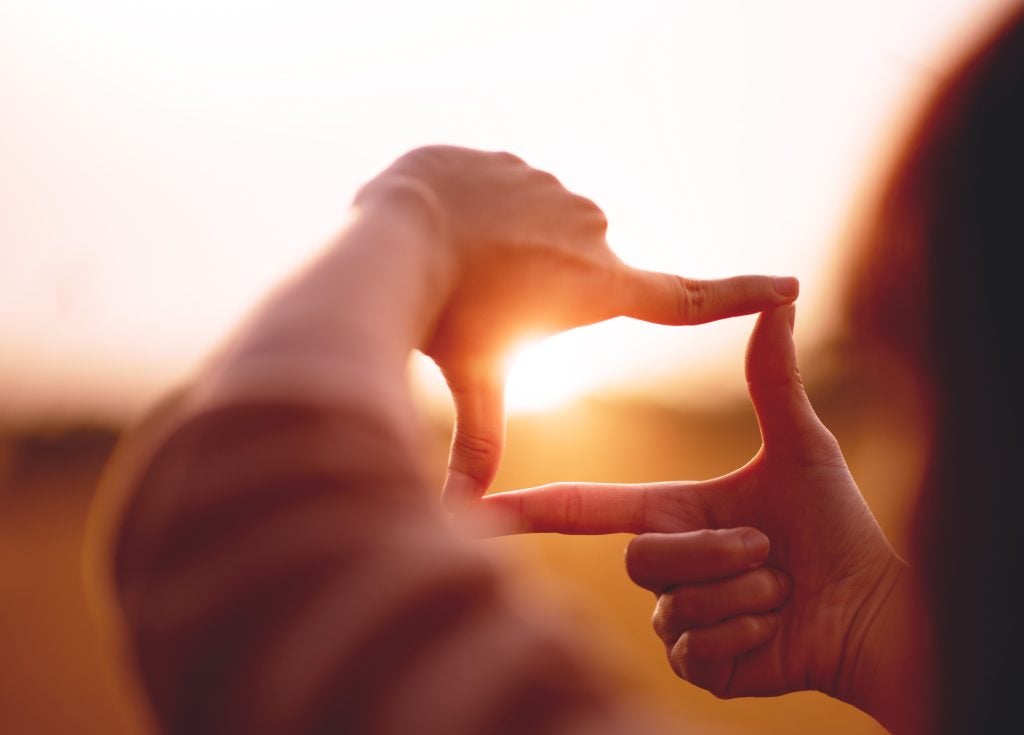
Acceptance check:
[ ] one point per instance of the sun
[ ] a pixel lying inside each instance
(540, 374)
(546, 374)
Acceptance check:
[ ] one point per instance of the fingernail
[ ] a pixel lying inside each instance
(791, 317)
(460, 490)
(756, 545)
(786, 286)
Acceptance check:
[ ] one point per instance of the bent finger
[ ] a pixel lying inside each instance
(699, 606)
(657, 561)
(478, 438)
(731, 638)
(665, 298)
(706, 656)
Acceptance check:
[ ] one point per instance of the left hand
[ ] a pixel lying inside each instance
(530, 259)
(805, 619)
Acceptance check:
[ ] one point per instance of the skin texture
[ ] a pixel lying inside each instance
(832, 609)
(460, 253)
(273, 537)
(528, 258)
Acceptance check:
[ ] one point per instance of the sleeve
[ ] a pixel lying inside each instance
(280, 569)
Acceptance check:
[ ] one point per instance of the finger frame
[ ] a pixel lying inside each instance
(702, 605)
(596, 508)
(660, 561)
(666, 298)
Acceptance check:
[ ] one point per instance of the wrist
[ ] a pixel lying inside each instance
(887, 669)
(418, 235)
(353, 314)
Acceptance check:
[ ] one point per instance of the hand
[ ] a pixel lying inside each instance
(530, 259)
(730, 625)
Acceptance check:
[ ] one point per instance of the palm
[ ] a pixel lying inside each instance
(825, 539)
(797, 491)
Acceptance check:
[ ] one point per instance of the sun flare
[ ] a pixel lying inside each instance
(547, 374)
(238, 116)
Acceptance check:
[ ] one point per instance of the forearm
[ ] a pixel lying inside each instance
(274, 581)
(339, 333)
(279, 567)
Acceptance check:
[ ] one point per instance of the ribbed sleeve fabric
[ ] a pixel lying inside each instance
(281, 570)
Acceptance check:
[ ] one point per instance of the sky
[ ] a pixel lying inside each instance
(163, 164)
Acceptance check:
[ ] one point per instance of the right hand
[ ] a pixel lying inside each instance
(730, 625)
(529, 259)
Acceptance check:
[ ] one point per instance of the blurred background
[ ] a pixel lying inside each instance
(162, 165)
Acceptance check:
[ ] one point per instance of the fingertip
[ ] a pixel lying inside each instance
(785, 584)
(635, 557)
(756, 546)
(780, 314)
(488, 517)
(666, 298)
(459, 492)
(771, 354)
(786, 286)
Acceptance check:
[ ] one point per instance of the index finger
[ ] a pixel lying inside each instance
(593, 508)
(665, 298)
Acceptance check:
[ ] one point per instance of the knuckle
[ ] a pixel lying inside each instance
(691, 298)
(689, 663)
(635, 554)
(546, 177)
(593, 215)
(700, 650)
(474, 448)
(419, 151)
(573, 504)
(728, 546)
(689, 607)
(638, 560)
(420, 154)
(509, 157)
(639, 520)
(590, 206)
(661, 622)
(777, 587)
(767, 587)
(758, 627)
(678, 655)
(705, 537)
(600, 221)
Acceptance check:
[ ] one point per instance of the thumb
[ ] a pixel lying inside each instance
(665, 298)
(787, 420)
(479, 436)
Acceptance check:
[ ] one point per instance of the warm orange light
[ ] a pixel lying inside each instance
(166, 163)
(542, 375)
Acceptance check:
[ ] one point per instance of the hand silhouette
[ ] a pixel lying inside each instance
(730, 624)
(530, 259)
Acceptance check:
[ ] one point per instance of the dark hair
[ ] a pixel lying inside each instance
(937, 283)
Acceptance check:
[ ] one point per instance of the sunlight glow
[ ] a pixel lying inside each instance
(163, 164)
(542, 376)
(548, 373)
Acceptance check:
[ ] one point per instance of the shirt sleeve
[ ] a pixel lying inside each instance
(280, 568)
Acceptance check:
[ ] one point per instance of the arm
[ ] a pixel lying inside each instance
(279, 564)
